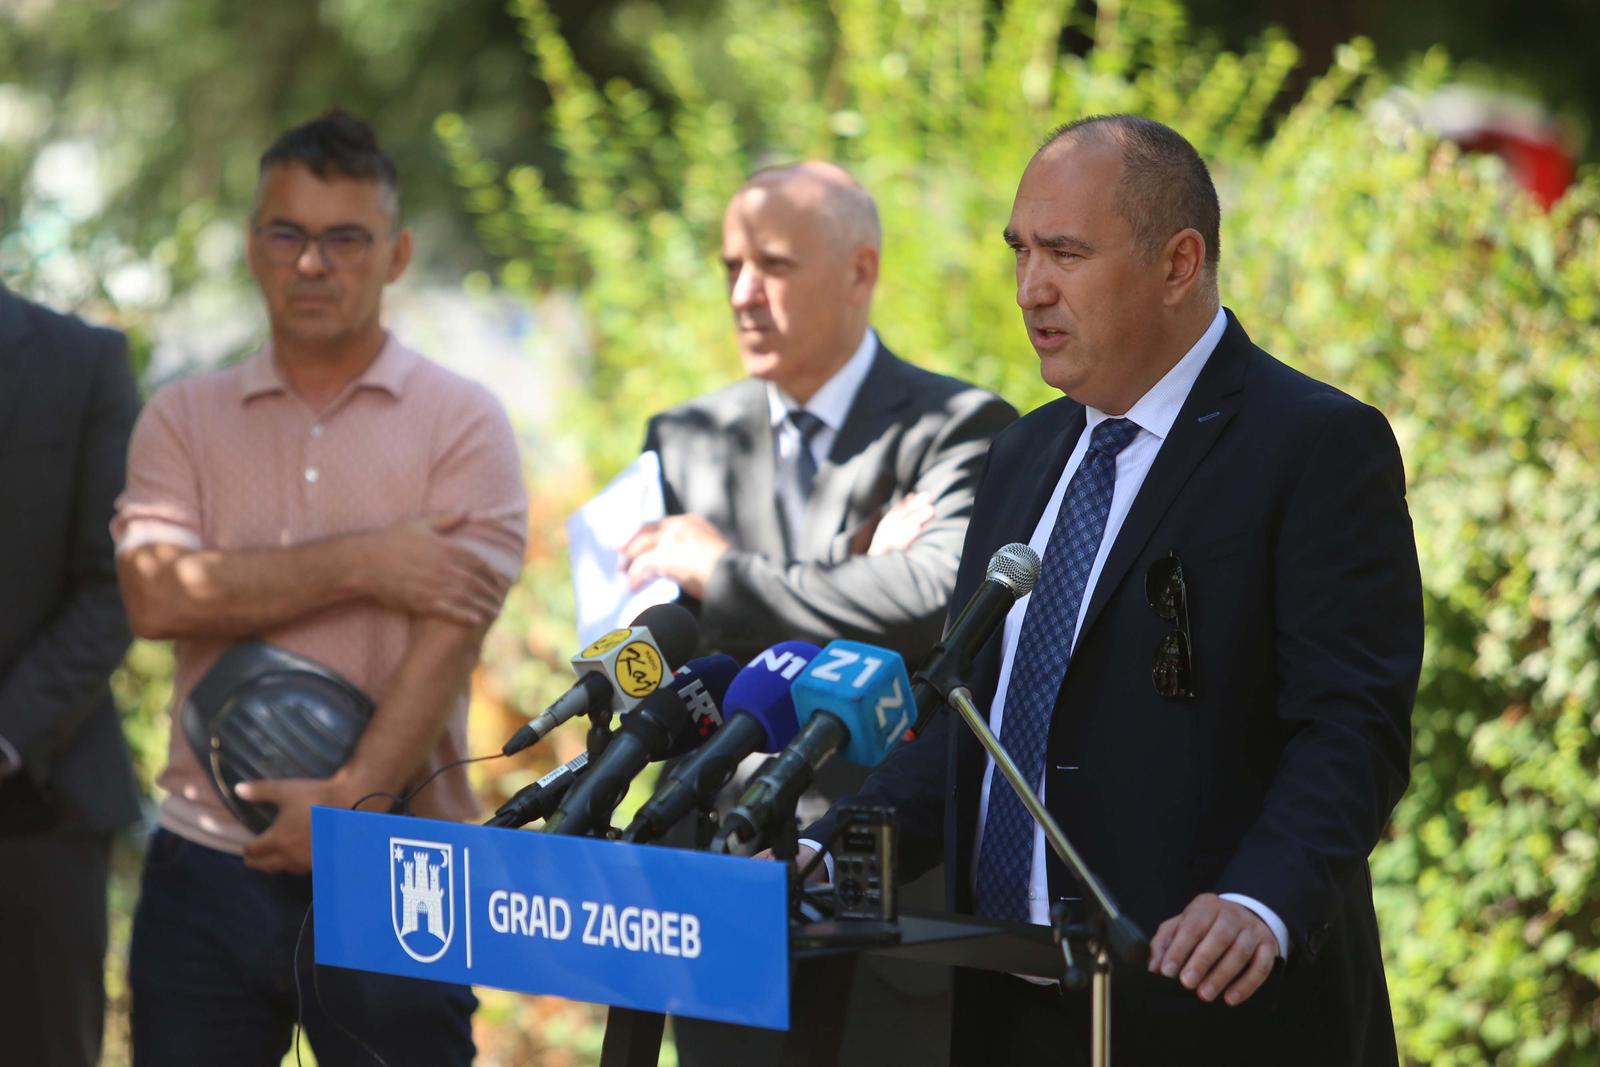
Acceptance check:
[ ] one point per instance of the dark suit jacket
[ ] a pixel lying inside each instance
(908, 430)
(67, 406)
(1285, 501)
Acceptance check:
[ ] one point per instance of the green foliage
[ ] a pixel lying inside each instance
(1353, 245)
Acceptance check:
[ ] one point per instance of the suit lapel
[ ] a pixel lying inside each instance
(14, 370)
(876, 407)
(1209, 408)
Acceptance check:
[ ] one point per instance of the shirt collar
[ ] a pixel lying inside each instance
(389, 372)
(1157, 410)
(832, 402)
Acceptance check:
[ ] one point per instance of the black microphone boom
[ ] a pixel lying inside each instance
(776, 788)
(644, 735)
(697, 778)
(540, 799)
(638, 657)
(1012, 572)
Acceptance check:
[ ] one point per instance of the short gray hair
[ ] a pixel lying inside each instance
(1165, 186)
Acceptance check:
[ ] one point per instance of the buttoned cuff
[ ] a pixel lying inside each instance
(827, 857)
(1268, 916)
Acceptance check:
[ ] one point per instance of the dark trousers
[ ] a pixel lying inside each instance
(52, 948)
(214, 967)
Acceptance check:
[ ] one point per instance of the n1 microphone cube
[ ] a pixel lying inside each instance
(866, 688)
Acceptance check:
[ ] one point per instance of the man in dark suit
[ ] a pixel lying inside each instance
(1229, 568)
(67, 405)
(824, 496)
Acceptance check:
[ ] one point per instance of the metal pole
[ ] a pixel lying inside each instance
(960, 698)
(1100, 1032)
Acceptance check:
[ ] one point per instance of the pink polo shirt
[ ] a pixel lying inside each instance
(233, 460)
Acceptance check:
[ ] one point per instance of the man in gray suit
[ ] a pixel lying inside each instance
(67, 405)
(825, 496)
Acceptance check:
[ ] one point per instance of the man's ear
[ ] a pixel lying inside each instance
(399, 255)
(1185, 257)
(863, 273)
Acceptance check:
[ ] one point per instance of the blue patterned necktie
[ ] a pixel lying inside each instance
(1039, 665)
(805, 464)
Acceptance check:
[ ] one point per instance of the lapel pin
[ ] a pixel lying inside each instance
(1208, 418)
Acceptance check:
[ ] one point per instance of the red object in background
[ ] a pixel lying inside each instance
(1520, 131)
(1539, 166)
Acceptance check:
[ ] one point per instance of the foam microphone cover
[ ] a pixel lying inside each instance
(702, 684)
(762, 691)
(675, 630)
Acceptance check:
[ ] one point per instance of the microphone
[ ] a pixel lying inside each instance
(854, 699)
(1011, 575)
(539, 800)
(758, 716)
(621, 668)
(645, 735)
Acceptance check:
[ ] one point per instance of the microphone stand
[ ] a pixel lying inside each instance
(1108, 935)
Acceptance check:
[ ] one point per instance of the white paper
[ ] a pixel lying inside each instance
(595, 535)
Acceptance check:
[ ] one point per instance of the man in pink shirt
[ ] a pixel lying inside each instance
(342, 497)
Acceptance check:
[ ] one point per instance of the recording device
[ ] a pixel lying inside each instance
(1011, 575)
(853, 699)
(646, 734)
(619, 669)
(758, 716)
(863, 864)
(540, 799)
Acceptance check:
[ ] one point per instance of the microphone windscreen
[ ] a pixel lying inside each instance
(702, 684)
(762, 691)
(863, 686)
(674, 629)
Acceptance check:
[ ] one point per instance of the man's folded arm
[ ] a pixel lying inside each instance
(1348, 609)
(894, 598)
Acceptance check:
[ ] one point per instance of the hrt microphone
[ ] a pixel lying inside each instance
(646, 734)
(1012, 572)
(758, 716)
(854, 699)
(540, 799)
(621, 668)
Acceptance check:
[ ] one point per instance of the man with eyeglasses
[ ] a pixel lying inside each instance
(342, 497)
(1211, 683)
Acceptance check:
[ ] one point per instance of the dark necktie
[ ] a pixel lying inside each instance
(805, 464)
(1039, 665)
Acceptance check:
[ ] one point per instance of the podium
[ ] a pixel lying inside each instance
(821, 979)
(648, 930)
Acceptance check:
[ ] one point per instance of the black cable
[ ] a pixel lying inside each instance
(402, 803)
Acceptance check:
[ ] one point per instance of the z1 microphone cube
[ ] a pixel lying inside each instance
(866, 688)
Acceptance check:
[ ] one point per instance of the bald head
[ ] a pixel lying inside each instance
(800, 244)
(1164, 186)
(827, 193)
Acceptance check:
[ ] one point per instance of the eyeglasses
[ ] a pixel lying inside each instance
(341, 248)
(1172, 670)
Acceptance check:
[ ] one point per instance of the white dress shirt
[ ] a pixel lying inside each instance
(831, 405)
(1154, 414)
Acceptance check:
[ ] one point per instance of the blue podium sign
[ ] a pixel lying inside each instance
(637, 926)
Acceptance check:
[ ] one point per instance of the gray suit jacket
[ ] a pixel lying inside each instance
(908, 430)
(67, 406)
